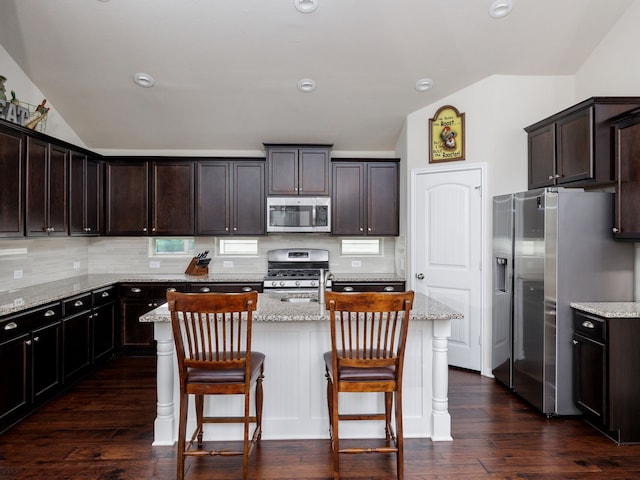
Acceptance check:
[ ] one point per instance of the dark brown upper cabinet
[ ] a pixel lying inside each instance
(298, 169)
(127, 198)
(172, 198)
(12, 146)
(573, 148)
(365, 199)
(47, 179)
(85, 195)
(230, 197)
(150, 197)
(626, 134)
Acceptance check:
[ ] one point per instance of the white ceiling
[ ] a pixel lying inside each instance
(226, 70)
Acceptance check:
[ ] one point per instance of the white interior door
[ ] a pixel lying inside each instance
(448, 253)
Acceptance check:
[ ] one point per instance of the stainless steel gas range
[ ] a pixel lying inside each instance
(296, 269)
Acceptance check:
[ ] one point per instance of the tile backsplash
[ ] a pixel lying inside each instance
(25, 262)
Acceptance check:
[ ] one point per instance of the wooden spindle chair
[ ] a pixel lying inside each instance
(212, 335)
(368, 338)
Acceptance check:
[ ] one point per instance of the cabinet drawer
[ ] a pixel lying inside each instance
(368, 286)
(103, 296)
(77, 304)
(201, 287)
(590, 326)
(24, 322)
(148, 290)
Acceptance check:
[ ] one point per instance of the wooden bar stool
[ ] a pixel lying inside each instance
(212, 335)
(368, 338)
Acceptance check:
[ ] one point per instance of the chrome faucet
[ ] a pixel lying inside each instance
(322, 285)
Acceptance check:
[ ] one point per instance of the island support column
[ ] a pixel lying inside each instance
(164, 424)
(440, 417)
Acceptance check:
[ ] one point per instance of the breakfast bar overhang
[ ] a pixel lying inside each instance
(293, 336)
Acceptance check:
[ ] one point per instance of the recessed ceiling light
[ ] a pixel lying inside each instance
(306, 85)
(144, 80)
(306, 6)
(500, 8)
(424, 84)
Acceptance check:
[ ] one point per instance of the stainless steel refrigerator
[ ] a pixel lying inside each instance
(502, 324)
(563, 252)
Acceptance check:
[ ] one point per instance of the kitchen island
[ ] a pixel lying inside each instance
(295, 391)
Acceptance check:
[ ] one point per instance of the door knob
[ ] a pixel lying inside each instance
(420, 276)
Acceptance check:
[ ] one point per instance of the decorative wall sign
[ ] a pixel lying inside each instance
(446, 135)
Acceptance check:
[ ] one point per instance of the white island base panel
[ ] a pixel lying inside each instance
(295, 404)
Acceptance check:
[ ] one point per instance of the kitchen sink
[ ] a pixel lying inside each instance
(299, 297)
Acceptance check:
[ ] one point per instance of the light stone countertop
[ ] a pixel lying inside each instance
(14, 301)
(272, 309)
(609, 309)
(20, 299)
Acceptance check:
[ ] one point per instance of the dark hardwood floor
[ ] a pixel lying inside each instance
(102, 430)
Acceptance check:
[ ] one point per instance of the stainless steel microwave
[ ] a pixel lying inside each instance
(298, 214)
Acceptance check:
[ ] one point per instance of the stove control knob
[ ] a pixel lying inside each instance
(274, 283)
(282, 284)
(314, 283)
(297, 283)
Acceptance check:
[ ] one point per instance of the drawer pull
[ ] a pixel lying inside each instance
(104, 294)
(136, 290)
(205, 289)
(247, 289)
(588, 324)
(11, 326)
(78, 303)
(49, 313)
(389, 289)
(347, 289)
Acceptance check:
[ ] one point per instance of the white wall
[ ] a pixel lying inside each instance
(27, 91)
(613, 67)
(496, 111)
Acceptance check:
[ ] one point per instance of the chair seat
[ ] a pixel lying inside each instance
(233, 375)
(356, 374)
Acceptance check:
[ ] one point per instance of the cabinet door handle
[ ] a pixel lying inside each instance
(588, 324)
(389, 288)
(615, 230)
(135, 290)
(36, 339)
(78, 303)
(11, 326)
(49, 313)
(575, 342)
(347, 289)
(28, 342)
(104, 294)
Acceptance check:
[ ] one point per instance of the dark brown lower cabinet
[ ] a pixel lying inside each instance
(30, 352)
(606, 365)
(136, 299)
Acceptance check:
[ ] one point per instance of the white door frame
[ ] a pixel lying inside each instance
(485, 367)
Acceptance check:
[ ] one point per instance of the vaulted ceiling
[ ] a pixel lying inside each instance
(226, 71)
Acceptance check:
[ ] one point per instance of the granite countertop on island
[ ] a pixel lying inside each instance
(272, 309)
(609, 309)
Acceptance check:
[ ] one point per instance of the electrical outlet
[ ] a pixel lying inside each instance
(154, 264)
(227, 264)
(17, 274)
(18, 302)
(76, 265)
(356, 263)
